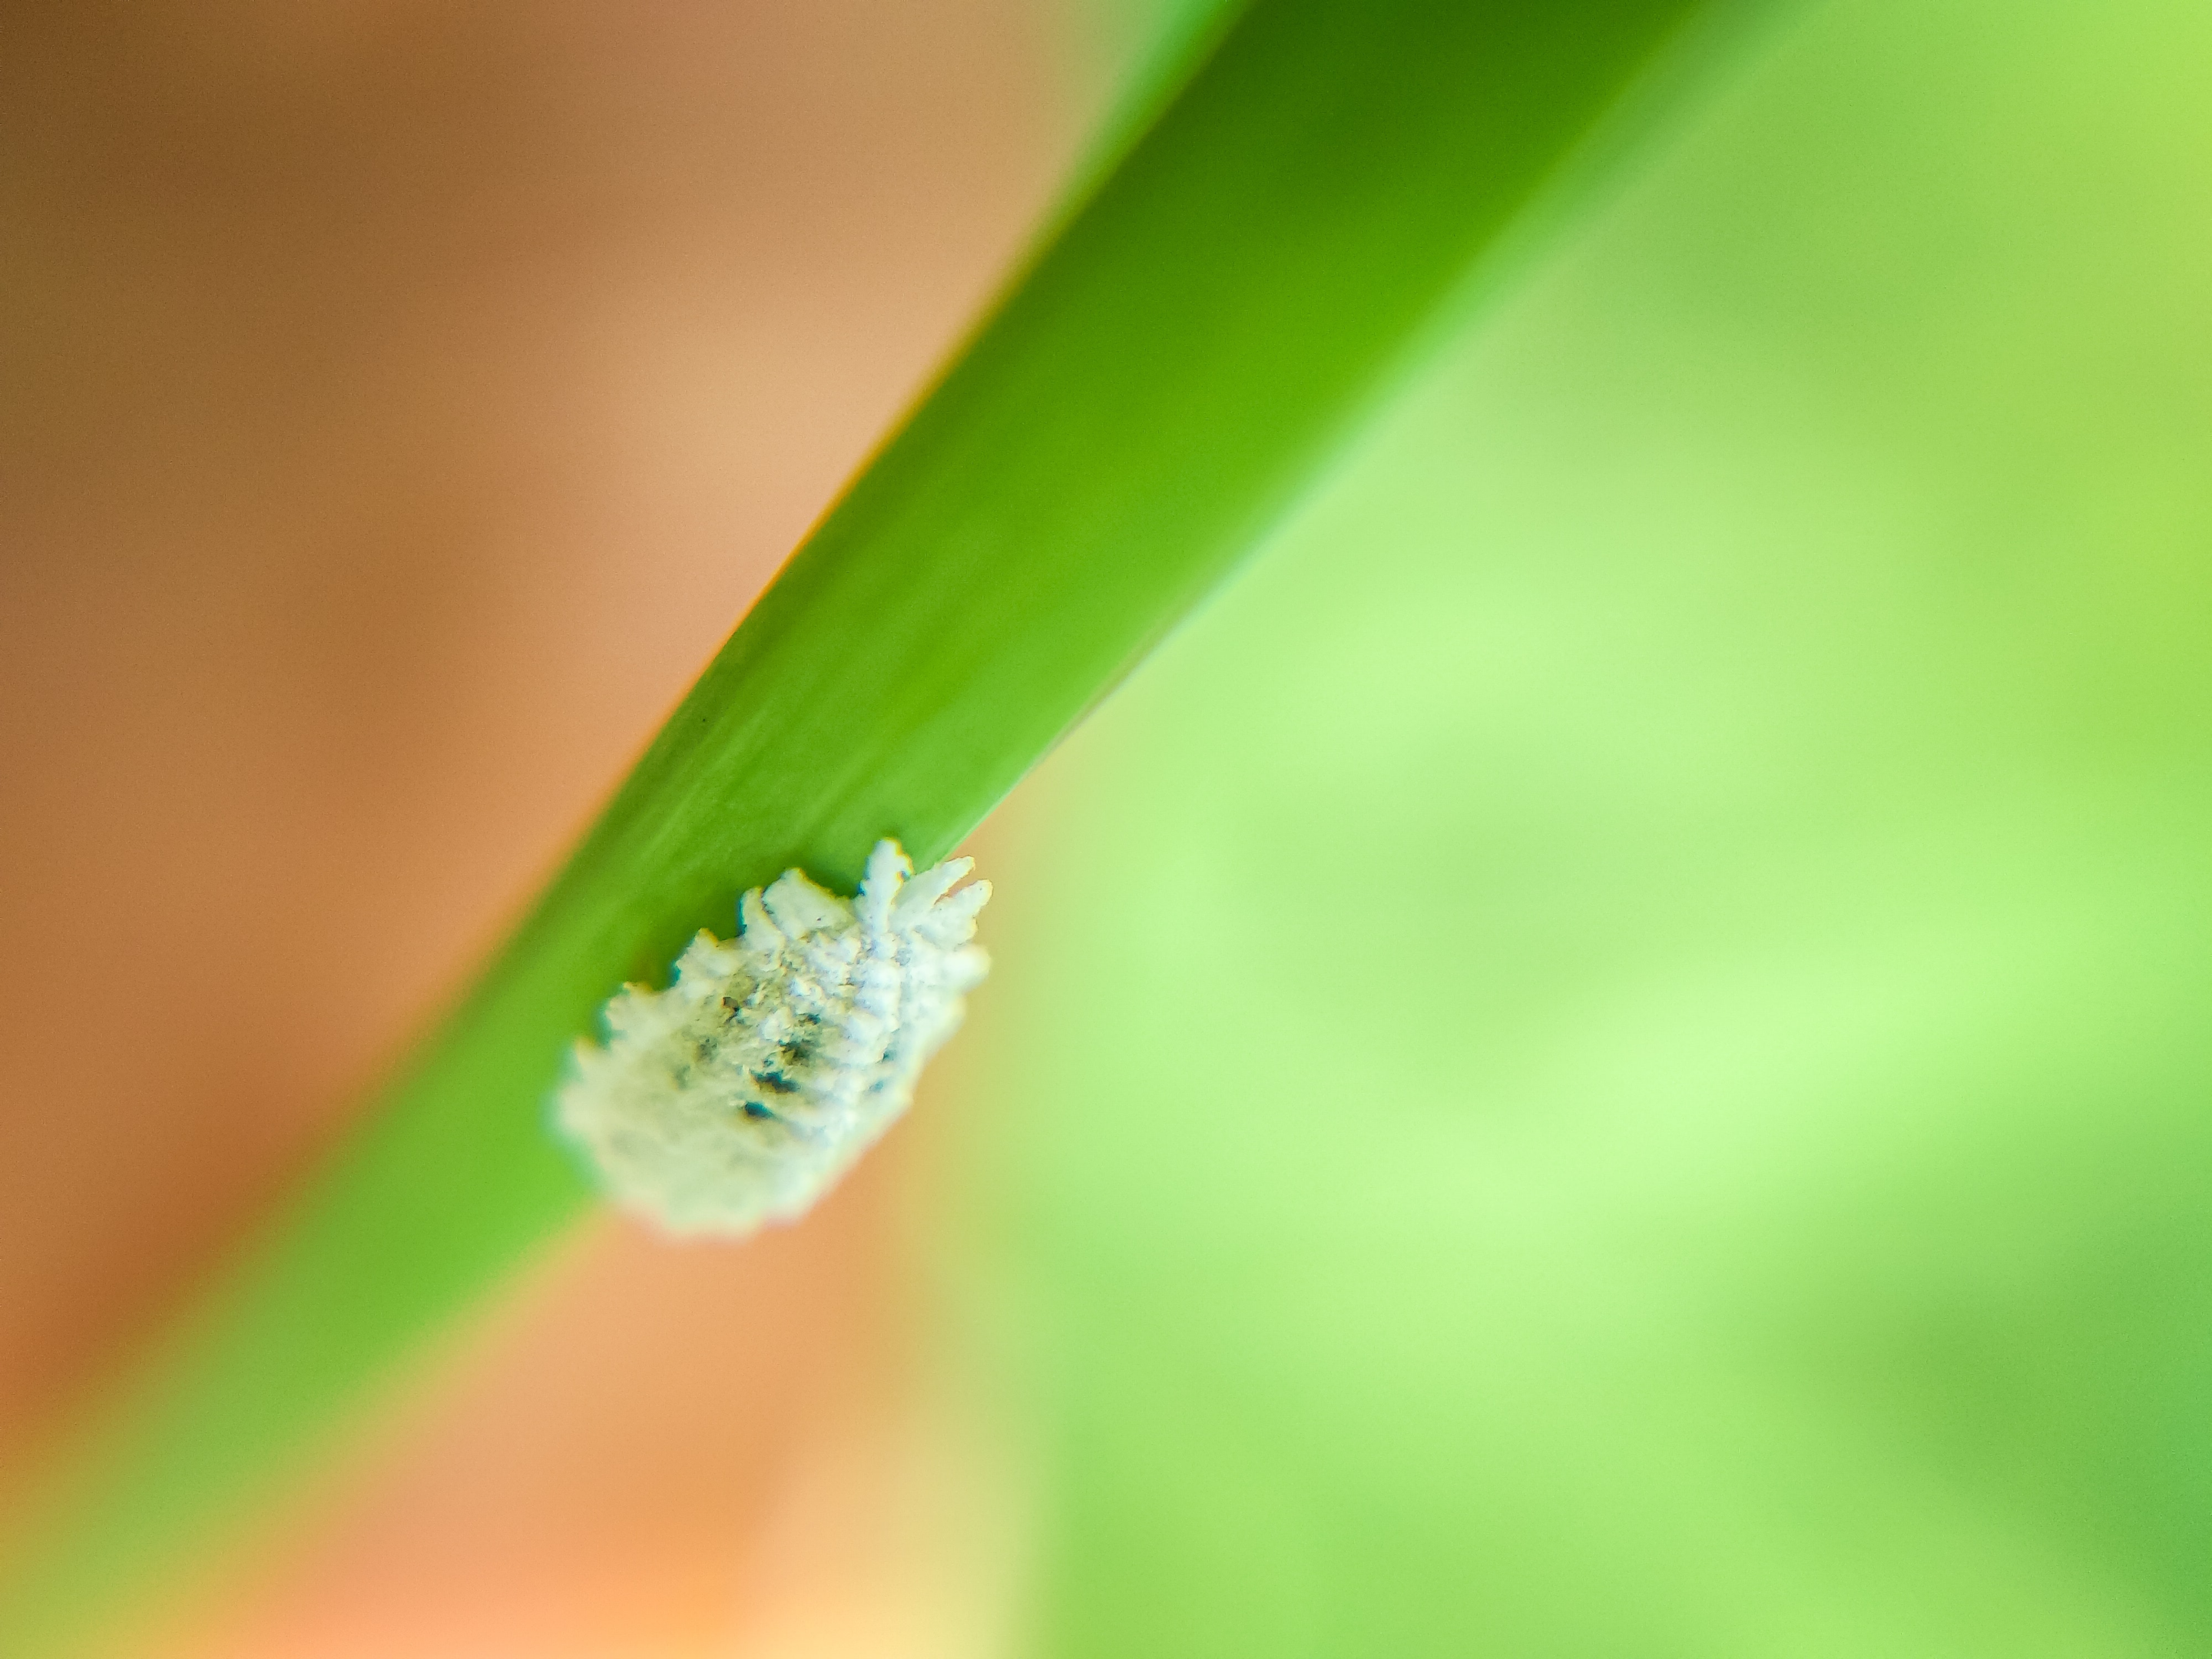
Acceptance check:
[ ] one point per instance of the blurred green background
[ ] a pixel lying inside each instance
(1608, 1056)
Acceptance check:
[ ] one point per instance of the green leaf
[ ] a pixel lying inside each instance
(1146, 399)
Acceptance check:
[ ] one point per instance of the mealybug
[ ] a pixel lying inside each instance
(740, 1094)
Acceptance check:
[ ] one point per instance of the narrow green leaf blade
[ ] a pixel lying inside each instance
(1142, 405)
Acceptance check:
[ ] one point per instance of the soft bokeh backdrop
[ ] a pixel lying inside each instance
(1607, 1056)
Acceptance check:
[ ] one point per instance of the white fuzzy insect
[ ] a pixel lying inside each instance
(740, 1094)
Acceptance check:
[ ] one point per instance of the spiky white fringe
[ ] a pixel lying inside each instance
(740, 1094)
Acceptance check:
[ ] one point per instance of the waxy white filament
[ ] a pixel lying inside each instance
(740, 1094)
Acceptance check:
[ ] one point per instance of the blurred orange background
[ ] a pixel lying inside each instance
(401, 403)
